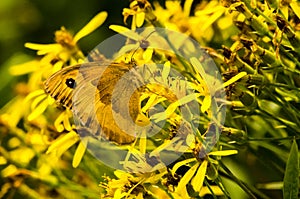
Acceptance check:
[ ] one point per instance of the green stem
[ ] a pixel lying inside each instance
(210, 189)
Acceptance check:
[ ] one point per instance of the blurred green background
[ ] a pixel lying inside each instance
(36, 21)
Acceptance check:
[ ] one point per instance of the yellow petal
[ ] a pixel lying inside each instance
(158, 192)
(59, 142)
(91, 26)
(166, 114)
(210, 20)
(285, 11)
(166, 71)
(44, 48)
(159, 117)
(150, 103)
(38, 139)
(38, 100)
(119, 29)
(195, 62)
(211, 8)
(14, 142)
(24, 68)
(119, 194)
(143, 142)
(187, 7)
(181, 188)
(206, 103)
(140, 196)
(223, 153)
(126, 32)
(38, 110)
(22, 155)
(66, 120)
(121, 174)
(57, 66)
(147, 55)
(207, 190)
(186, 99)
(58, 122)
(3, 161)
(65, 146)
(234, 79)
(79, 154)
(34, 46)
(181, 163)
(142, 120)
(133, 25)
(9, 170)
(34, 94)
(296, 8)
(140, 18)
(50, 100)
(197, 181)
(165, 145)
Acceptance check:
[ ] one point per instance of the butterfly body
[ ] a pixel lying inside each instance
(89, 90)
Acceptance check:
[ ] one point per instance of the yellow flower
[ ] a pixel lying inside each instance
(197, 172)
(32, 106)
(155, 184)
(65, 49)
(137, 11)
(197, 23)
(55, 56)
(173, 16)
(133, 185)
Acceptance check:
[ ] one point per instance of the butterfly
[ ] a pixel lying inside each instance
(88, 89)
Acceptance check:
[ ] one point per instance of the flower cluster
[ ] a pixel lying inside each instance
(35, 126)
(255, 46)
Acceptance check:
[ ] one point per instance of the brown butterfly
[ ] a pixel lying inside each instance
(88, 88)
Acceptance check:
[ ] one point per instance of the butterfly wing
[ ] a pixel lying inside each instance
(59, 85)
(88, 90)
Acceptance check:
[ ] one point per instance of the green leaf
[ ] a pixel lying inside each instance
(291, 175)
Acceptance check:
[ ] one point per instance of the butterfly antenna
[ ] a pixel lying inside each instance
(143, 44)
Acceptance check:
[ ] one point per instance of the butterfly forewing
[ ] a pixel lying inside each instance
(87, 89)
(58, 87)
